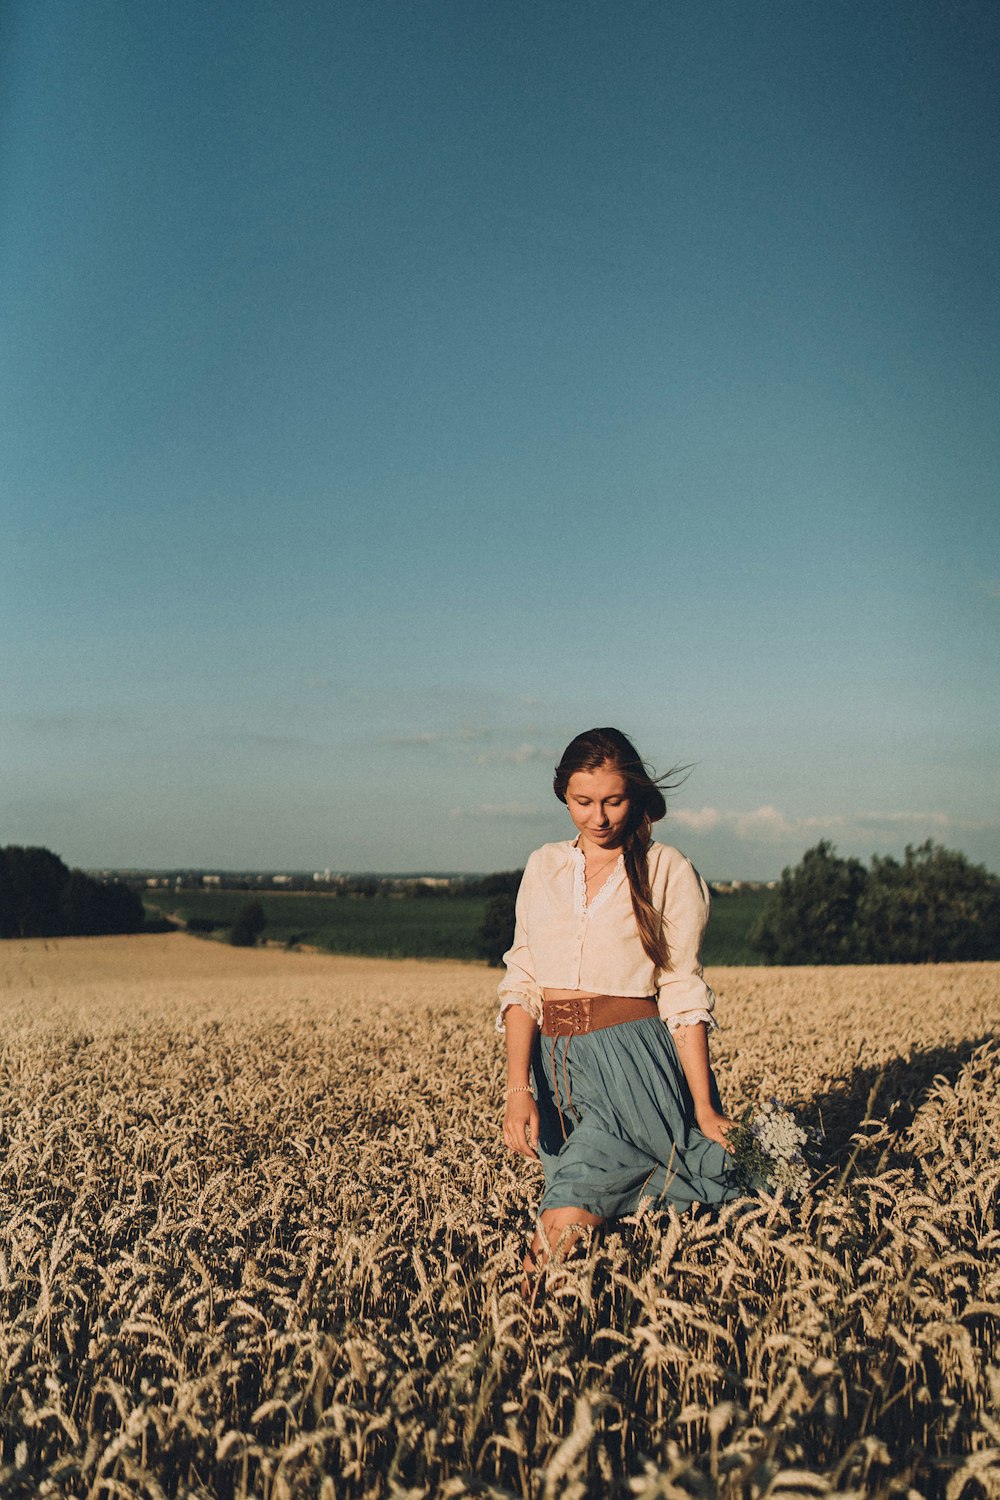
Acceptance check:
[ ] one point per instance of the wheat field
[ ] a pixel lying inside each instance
(259, 1237)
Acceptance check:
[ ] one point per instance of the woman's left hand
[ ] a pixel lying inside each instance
(715, 1126)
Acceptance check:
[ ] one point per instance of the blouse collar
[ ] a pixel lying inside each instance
(603, 893)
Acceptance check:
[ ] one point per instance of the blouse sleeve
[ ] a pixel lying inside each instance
(519, 986)
(682, 996)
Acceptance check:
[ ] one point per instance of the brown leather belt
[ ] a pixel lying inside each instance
(593, 1012)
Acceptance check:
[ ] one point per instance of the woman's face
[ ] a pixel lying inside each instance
(599, 805)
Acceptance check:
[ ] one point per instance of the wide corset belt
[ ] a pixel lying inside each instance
(593, 1012)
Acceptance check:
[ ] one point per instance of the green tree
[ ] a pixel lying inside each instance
(40, 897)
(248, 926)
(813, 916)
(934, 907)
(81, 905)
(32, 881)
(8, 914)
(119, 907)
(496, 932)
(503, 883)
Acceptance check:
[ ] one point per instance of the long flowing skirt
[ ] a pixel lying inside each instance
(617, 1126)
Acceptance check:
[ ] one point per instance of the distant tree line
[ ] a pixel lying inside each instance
(41, 897)
(397, 887)
(457, 886)
(496, 933)
(933, 907)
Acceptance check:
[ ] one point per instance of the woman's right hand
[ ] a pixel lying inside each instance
(520, 1125)
(716, 1126)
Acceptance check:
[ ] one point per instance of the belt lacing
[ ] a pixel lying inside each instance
(555, 1085)
(569, 1017)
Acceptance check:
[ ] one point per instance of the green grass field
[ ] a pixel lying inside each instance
(383, 927)
(732, 917)
(377, 927)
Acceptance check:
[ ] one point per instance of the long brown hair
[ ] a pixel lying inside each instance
(647, 804)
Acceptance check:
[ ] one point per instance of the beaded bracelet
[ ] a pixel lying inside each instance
(520, 1088)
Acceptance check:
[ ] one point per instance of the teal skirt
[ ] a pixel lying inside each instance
(617, 1127)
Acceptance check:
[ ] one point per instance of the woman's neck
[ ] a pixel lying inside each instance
(597, 856)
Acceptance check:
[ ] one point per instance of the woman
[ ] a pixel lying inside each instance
(605, 1008)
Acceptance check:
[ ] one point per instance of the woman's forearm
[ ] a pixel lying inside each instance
(520, 1029)
(691, 1042)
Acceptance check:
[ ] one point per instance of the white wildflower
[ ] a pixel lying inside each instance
(768, 1146)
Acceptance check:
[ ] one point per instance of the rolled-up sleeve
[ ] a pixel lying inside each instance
(519, 986)
(681, 994)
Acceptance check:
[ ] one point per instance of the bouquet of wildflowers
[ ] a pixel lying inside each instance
(767, 1145)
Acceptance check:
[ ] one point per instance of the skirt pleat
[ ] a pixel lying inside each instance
(627, 1137)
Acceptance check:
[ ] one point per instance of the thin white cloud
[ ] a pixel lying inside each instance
(411, 741)
(516, 755)
(762, 823)
(63, 725)
(699, 819)
(769, 824)
(259, 741)
(500, 810)
(938, 819)
(445, 739)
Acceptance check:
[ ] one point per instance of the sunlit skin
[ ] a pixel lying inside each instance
(598, 803)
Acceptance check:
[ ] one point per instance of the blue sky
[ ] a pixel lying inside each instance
(391, 391)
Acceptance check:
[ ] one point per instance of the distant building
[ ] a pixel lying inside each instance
(281, 879)
(211, 880)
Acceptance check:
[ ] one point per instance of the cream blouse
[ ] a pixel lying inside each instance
(563, 942)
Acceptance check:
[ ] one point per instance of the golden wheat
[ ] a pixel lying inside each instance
(259, 1237)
